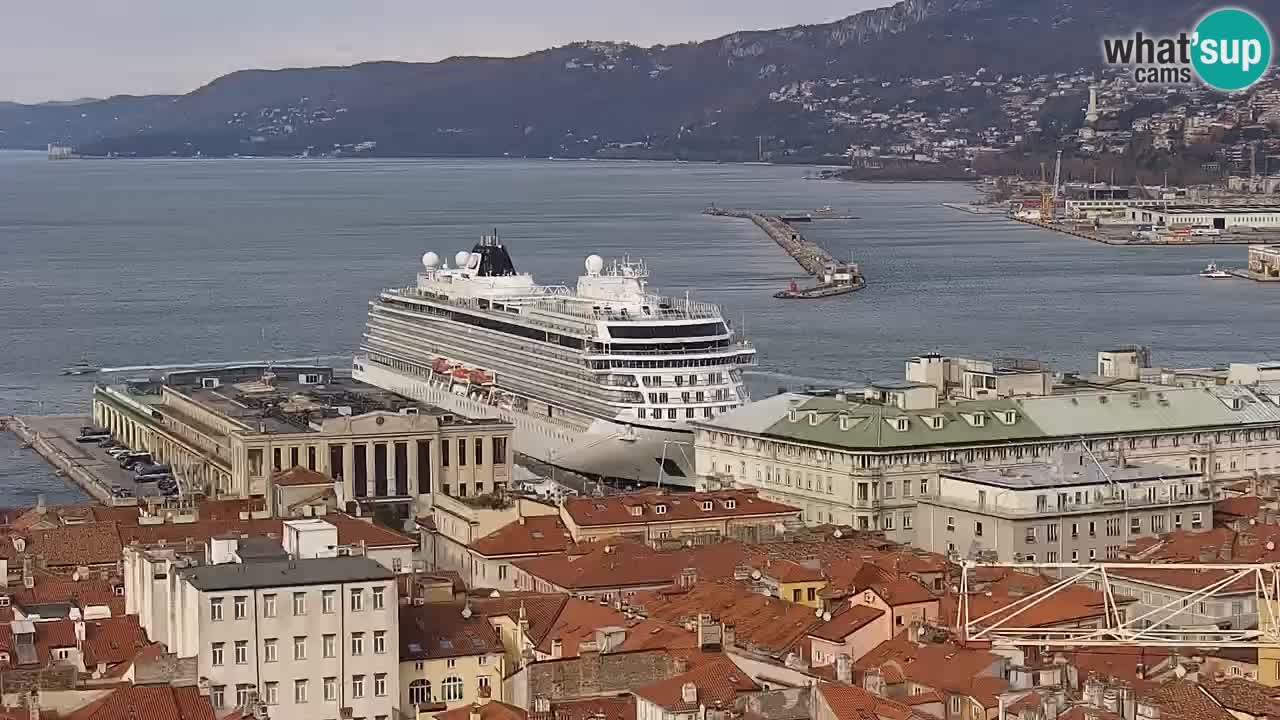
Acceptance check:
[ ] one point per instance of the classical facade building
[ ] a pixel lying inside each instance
(226, 430)
(866, 460)
(308, 634)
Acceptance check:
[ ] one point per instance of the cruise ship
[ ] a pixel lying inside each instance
(601, 379)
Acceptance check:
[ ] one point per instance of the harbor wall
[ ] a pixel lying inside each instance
(48, 448)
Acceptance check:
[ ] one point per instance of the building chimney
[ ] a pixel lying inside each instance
(680, 665)
(80, 633)
(688, 693)
(474, 712)
(844, 669)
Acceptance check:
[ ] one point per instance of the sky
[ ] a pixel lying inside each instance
(67, 49)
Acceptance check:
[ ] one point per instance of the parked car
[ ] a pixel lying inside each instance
(108, 442)
(93, 437)
(119, 452)
(153, 478)
(153, 469)
(130, 460)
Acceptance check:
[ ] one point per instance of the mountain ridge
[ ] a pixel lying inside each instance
(695, 99)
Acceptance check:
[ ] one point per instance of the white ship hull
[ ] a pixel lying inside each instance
(606, 449)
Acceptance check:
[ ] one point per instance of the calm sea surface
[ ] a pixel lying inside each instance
(156, 261)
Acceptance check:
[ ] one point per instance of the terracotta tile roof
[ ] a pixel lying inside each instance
(850, 702)
(147, 702)
(541, 610)
(894, 587)
(790, 571)
(716, 680)
(1243, 506)
(68, 546)
(441, 630)
(928, 696)
(50, 589)
(1084, 712)
(1184, 700)
(351, 530)
(940, 666)
(845, 622)
(632, 565)
(579, 619)
(538, 535)
(1119, 662)
(1069, 605)
(299, 476)
(614, 708)
(765, 624)
(108, 641)
(491, 710)
(1241, 695)
(622, 509)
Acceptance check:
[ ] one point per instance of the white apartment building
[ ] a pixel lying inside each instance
(314, 635)
(865, 461)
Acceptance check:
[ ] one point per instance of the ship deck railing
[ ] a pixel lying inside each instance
(560, 300)
(734, 349)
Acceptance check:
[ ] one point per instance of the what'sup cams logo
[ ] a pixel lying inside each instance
(1228, 50)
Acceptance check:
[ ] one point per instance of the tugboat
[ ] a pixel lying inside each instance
(835, 280)
(1212, 271)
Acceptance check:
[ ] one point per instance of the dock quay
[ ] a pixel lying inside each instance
(53, 437)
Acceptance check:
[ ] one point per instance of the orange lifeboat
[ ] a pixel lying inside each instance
(440, 365)
(480, 377)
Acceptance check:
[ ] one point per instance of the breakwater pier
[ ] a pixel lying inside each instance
(53, 437)
(835, 277)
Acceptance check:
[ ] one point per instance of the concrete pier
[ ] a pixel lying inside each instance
(53, 437)
(812, 257)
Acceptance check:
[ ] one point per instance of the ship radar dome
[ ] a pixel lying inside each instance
(594, 264)
(461, 258)
(430, 261)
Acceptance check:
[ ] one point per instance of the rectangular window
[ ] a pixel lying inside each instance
(1075, 530)
(1113, 527)
(1051, 556)
(215, 609)
(1135, 524)
(357, 686)
(379, 642)
(269, 605)
(299, 603)
(218, 696)
(215, 653)
(242, 652)
(499, 445)
(887, 521)
(906, 520)
(238, 607)
(357, 599)
(951, 522)
(977, 528)
(380, 685)
(479, 451)
(269, 650)
(300, 647)
(299, 691)
(329, 645)
(1051, 532)
(1197, 519)
(271, 693)
(462, 452)
(379, 598)
(242, 694)
(330, 689)
(357, 643)
(328, 601)
(444, 453)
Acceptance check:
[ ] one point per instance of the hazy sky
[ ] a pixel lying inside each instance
(64, 49)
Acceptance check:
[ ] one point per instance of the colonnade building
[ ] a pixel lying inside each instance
(227, 431)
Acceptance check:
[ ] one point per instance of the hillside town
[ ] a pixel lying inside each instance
(979, 540)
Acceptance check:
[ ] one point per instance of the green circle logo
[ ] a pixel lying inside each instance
(1232, 49)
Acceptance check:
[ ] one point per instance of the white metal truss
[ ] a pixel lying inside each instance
(1149, 629)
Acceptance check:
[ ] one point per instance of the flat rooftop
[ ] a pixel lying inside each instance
(279, 398)
(285, 573)
(1069, 471)
(1219, 209)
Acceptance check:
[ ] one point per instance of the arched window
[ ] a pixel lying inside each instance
(420, 692)
(451, 689)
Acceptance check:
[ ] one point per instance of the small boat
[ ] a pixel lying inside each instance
(824, 210)
(1212, 271)
(81, 368)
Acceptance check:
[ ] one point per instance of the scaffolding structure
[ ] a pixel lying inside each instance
(1149, 629)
